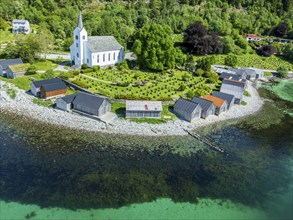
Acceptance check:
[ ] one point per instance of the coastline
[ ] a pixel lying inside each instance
(22, 105)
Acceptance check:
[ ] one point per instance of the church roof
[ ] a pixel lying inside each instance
(103, 43)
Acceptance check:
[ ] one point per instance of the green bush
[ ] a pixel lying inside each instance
(246, 93)
(96, 68)
(84, 66)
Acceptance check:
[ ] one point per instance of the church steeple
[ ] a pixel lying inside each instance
(80, 25)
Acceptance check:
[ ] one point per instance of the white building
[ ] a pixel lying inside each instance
(96, 50)
(20, 26)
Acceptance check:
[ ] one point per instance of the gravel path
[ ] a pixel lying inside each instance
(22, 105)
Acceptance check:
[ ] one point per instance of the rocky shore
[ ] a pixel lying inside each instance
(23, 105)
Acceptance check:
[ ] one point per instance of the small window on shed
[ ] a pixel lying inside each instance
(109, 57)
(98, 58)
(87, 60)
(104, 57)
(76, 37)
(83, 37)
(114, 56)
(77, 55)
(76, 44)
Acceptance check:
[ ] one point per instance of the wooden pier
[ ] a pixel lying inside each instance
(205, 141)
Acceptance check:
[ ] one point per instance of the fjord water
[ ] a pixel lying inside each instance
(49, 172)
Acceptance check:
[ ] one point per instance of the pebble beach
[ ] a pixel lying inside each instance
(22, 105)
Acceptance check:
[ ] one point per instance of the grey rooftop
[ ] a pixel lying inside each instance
(143, 105)
(88, 100)
(234, 83)
(103, 43)
(205, 104)
(185, 105)
(39, 83)
(6, 63)
(54, 86)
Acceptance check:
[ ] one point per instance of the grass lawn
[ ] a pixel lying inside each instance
(254, 60)
(44, 103)
(148, 120)
(118, 108)
(24, 82)
(268, 74)
(45, 65)
(123, 84)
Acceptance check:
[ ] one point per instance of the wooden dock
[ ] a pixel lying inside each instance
(205, 141)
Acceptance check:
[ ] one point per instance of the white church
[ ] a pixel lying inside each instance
(96, 50)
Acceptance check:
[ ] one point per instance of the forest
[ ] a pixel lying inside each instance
(220, 21)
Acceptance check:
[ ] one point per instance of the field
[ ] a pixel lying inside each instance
(253, 60)
(133, 84)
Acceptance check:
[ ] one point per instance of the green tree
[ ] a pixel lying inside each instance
(3, 24)
(282, 71)
(32, 70)
(205, 63)
(231, 60)
(228, 45)
(288, 51)
(27, 47)
(190, 94)
(45, 40)
(154, 47)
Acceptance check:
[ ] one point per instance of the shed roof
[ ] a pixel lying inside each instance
(225, 75)
(6, 63)
(103, 43)
(186, 105)
(69, 98)
(88, 100)
(252, 36)
(143, 105)
(54, 86)
(19, 67)
(218, 102)
(204, 104)
(39, 83)
(222, 95)
(258, 71)
(238, 71)
(249, 72)
(19, 21)
(234, 83)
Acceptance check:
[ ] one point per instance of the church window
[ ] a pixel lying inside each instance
(83, 37)
(76, 44)
(109, 57)
(98, 58)
(104, 57)
(114, 56)
(76, 37)
(77, 55)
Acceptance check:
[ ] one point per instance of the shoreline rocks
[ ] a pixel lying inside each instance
(23, 105)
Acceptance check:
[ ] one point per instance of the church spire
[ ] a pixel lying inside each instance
(80, 25)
